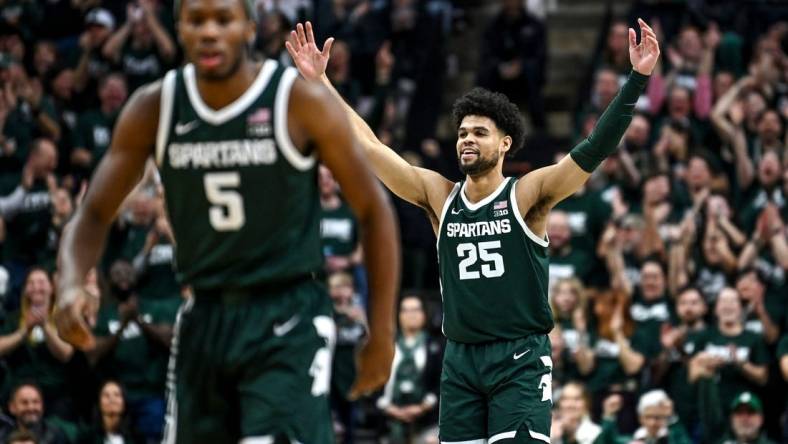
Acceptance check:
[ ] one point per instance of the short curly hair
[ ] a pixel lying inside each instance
(495, 106)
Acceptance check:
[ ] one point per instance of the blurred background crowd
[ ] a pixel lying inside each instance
(668, 271)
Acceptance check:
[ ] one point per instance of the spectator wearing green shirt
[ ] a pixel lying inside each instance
(131, 229)
(338, 227)
(736, 356)
(618, 358)
(565, 260)
(21, 15)
(410, 397)
(339, 235)
(658, 423)
(765, 312)
(702, 248)
(627, 243)
(351, 324)
(767, 252)
(94, 127)
(569, 304)
(91, 65)
(155, 263)
(132, 345)
(32, 348)
(745, 424)
(586, 214)
(669, 368)
(16, 124)
(141, 46)
(764, 192)
(650, 306)
(27, 231)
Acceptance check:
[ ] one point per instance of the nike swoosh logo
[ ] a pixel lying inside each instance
(283, 329)
(183, 128)
(456, 212)
(520, 355)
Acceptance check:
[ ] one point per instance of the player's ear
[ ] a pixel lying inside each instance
(507, 143)
(250, 32)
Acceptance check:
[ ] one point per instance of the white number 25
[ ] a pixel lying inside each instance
(492, 263)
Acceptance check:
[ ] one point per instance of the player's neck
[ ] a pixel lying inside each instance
(481, 186)
(219, 93)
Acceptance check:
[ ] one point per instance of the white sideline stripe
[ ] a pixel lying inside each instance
(500, 436)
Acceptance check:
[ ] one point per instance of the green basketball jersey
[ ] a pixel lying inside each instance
(242, 200)
(493, 269)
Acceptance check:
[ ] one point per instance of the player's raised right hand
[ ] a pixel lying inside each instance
(310, 61)
(373, 367)
(74, 316)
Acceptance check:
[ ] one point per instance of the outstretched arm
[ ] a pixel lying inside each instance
(418, 186)
(545, 187)
(83, 238)
(318, 114)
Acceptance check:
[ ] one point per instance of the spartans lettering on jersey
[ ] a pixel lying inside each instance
(222, 154)
(485, 228)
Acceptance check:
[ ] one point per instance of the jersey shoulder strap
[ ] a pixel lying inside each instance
(519, 218)
(447, 204)
(166, 103)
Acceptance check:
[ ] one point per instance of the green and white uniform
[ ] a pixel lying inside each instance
(251, 357)
(496, 381)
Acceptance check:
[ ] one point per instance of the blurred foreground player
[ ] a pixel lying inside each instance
(237, 144)
(492, 247)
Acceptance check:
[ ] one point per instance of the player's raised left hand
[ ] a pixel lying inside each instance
(310, 61)
(643, 56)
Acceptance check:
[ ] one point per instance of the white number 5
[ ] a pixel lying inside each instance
(227, 212)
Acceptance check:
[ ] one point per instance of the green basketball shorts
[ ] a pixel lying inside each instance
(496, 391)
(252, 368)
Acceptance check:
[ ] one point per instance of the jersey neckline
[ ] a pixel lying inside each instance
(236, 107)
(475, 206)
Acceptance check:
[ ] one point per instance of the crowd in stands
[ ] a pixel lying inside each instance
(668, 270)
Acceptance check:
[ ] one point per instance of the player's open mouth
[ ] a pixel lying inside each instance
(468, 154)
(210, 59)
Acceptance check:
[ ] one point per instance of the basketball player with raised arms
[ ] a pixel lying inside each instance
(492, 247)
